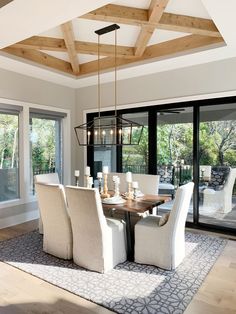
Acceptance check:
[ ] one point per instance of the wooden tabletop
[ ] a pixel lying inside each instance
(140, 205)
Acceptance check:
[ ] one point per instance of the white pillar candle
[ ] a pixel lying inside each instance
(90, 180)
(105, 169)
(114, 178)
(87, 171)
(128, 176)
(99, 175)
(76, 173)
(134, 184)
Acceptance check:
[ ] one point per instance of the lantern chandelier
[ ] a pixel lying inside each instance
(108, 130)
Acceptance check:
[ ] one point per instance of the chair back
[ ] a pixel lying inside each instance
(179, 211)
(88, 226)
(55, 218)
(229, 184)
(52, 178)
(148, 184)
(47, 178)
(205, 172)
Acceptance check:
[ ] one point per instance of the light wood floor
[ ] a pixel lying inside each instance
(21, 293)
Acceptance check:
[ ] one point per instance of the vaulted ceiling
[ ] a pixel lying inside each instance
(150, 32)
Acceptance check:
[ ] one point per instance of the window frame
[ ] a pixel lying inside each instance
(24, 147)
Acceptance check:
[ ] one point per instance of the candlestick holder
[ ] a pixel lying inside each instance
(135, 193)
(117, 188)
(77, 180)
(105, 193)
(86, 181)
(90, 182)
(100, 185)
(130, 193)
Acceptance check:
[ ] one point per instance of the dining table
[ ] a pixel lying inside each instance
(139, 206)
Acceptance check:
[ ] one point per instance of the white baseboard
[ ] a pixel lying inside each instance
(18, 219)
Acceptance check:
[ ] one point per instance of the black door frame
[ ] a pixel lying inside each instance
(152, 137)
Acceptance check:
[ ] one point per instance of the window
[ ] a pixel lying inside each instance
(45, 143)
(9, 155)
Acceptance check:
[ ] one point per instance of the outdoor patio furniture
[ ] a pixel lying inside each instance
(166, 184)
(219, 193)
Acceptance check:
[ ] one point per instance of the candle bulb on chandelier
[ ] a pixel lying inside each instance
(103, 136)
(89, 134)
(120, 133)
(95, 137)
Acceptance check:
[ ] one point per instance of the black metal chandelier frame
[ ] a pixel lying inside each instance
(108, 130)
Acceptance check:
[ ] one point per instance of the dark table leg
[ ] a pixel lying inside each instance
(130, 238)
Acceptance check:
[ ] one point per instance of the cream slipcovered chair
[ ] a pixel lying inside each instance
(164, 245)
(57, 237)
(148, 183)
(45, 178)
(98, 242)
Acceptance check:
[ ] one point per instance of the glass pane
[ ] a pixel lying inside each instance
(217, 189)
(45, 139)
(135, 157)
(174, 152)
(9, 158)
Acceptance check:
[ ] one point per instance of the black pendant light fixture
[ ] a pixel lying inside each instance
(108, 130)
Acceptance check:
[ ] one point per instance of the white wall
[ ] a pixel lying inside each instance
(170, 86)
(21, 88)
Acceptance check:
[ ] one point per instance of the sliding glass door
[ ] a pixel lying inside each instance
(135, 158)
(174, 152)
(195, 141)
(217, 152)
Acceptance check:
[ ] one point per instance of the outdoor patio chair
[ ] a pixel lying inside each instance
(219, 196)
(166, 186)
(165, 237)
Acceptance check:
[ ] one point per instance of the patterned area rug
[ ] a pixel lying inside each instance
(130, 287)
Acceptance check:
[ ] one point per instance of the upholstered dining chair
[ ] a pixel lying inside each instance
(57, 237)
(148, 183)
(99, 243)
(45, 178)
(162, 243)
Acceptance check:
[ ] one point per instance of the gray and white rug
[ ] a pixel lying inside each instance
(130, 287)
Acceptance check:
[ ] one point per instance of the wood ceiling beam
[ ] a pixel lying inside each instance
(68, 34)
(55, 44)
(140, 17)
(180, 46)
(105, 50)
(42, 43)
(155, 13)
(40, 58)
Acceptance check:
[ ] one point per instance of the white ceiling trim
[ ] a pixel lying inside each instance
(221, 14)
(32, 17)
